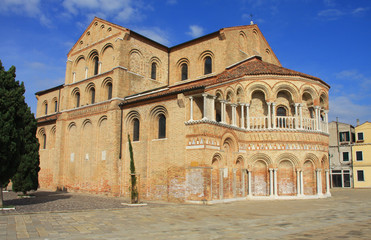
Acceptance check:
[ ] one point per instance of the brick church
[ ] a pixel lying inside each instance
(213, 119)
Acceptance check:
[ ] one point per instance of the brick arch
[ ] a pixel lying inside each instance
(312, 157)
(258, 86)
(288, 87)
(286, 178)
(230, 138)
(288, 157)
(136, 61)
(229, 92)
(240, 94)
(323, 99)
(154, 117)
(107, 57)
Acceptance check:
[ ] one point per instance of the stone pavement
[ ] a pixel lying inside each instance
(347, 215)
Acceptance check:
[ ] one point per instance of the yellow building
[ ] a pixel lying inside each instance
(362, 156)
(212, 119)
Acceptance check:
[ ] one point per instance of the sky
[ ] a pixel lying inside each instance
(329, 39)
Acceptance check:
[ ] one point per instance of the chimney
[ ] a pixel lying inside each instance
(357, 122)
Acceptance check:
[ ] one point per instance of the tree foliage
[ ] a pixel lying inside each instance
(133, 188)
(15, 125)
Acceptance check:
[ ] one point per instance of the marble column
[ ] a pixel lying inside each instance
(275, 182)
(301, 183)
(298, 182)
(234, 115)
(328, 182)
(99, 67)
(269, 115)
(296, 116)
(247, 116)
(86, 72)
(319, 182)
(205, 110)
(191, 109)
(249, 183)
(316, 118)
(271, 182)
(242, 115)
(301, 115)
(274, 115)
(212, 108)
(222, 111)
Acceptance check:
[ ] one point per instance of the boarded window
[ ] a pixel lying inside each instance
(153, 71)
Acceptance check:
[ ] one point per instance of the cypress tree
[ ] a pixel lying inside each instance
(26, 177)
(11, 105)
(133, 188)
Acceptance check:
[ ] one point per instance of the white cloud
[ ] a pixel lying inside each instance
(359, 11)
(172, 2)
(155, 34)
(331, 14)
(120, 10)
(195, 31)
(348, 111)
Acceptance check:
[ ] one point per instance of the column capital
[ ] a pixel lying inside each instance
(297, 104)
(242, 104)
(317, 107)
(86, 68)
(326, 111)
(247, 104)
(190, 97)
(271, 169)
(205, 94)
(318, 170)
(233, 104)
(273, 104)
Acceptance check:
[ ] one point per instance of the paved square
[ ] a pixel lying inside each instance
(347, 215)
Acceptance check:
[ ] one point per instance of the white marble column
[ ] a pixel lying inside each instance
(74, 77)
(191, 109)
(249, 183)
(242, 115)
(316, 117)
(269, 115)
(319, 182)
(296, 116)
(298, 182)
(205, 110)
(243, 173)
(212, 108)
(328, 182)
(301, 183)
(326, 121)
(222, 102)
(247, 116)
(86, 72)
(275, 182)
(274, 115)
(99, 67)
(301, 115)
(271, 182)
(234, 115)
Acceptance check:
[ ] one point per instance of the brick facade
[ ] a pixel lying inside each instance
(248, 129)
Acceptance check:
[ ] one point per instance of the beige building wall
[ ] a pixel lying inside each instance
(362, 156)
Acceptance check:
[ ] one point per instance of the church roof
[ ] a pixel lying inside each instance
(255, 66)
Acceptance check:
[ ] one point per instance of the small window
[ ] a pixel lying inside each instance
(208, 65)
(153, 71)
(281, 111)
(345, 156)
(46, 108)
(353, 137)
(344, 136)
(96, 65)
(92, 95)
(360, 176)
(136, 130)
(360, 136)
(55, 106)
(162, 126)
(44, 141)
(359, 156)
(184, 71)
(77, 96)
(109, 89)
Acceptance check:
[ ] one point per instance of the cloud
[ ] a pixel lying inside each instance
(347, 110)
(155, 34)
(120, 10)
(29, 8)
(334, 14)
(359, 11)
(195, 31)
(172, 2)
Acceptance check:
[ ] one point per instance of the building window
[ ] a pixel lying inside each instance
(281, 111)
(44, 141)
(136, 129)
(162, 126)
(77, 98)
(184, 71)
(109, 89)
(359, 156)
(360, 136)
(353, 137)
(345, 156)
(360, 176)
(208, 65)
(153, 71)
(96, 65)
(55, 106)
(344, 136)
(46, 108)
(92, 95)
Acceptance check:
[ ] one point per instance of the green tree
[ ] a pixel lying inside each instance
(133, 188)
(11, 102)
(26, 177)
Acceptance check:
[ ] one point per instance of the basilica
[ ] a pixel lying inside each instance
(213, 119)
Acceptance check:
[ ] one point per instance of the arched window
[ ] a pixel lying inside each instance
(153, 71)
(109, 90)
(281, 111)
(96, 65)
(184, 70)
(44, 141)
(77, 98)
(46, 108)
(136, 129)
(162, 126)
(208, 65)
(55, 106)
(92, 95)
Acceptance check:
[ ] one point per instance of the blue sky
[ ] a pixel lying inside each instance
(329, 39)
